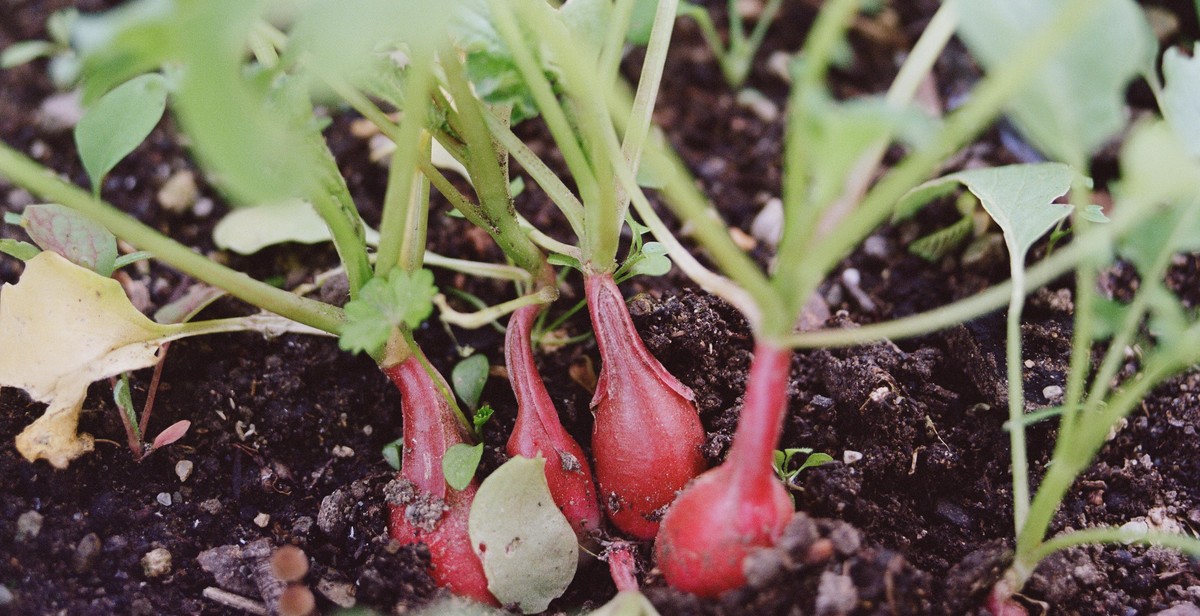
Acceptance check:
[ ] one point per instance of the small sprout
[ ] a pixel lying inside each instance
(481, 418)
(469, 377)
(289, 563)
(784, 458)
(173, 433)
(392, 452)
(459, 464)
(384, 304)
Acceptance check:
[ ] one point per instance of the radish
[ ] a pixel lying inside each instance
(647, 437)
(740, 506)
(423, 508)
(538, 431)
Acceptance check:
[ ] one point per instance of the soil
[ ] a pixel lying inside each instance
(912, 517)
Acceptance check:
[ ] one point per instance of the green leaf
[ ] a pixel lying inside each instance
(481, 417)
(938, 244)
(1156, 167)
(641, 21)
(25, 51)
(1142, 244)
(72, 235)
(1018, 197)
(627, 603)
(1108, 317)
(923, 195)
(1076, 100)
(18, 249)
(249, 230)
(814, 460)
(563, 261)
(1095, 213)
(651, 265)
(402, 299)
(124, 401)
(1181, 96)
(459, 464)
(468, 378)
(528, 550)
(588, 21)
(111, 128)
(393, 451)
(116, 45)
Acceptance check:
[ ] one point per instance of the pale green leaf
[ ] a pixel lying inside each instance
(1155, 166)
(459, 464)
(72, 235)
(923, 195)
(814, 460)
(528, 550)
(651, 265)
(627, 603)
(249, 230)
(1020, 199)
(1181, 96)
(62, 327)
(23, 52)
(469, 377)
(112, 127)
(1075, 101)
(392, 452)
(18, 249)
(1095, 213)
(116, 45)
(938, 244)
(588, 21)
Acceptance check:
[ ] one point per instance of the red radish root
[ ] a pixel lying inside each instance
(647, 436)
(539, 432)
(622, 565)
(423, 508)
(740, 506)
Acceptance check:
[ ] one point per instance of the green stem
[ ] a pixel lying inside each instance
(614, 41)
(551, 110)
(490, 314)
(603, 217)
(488, 175)
(1016, 393)
(638, 126)
(482, 270)
(541, 173)
(394, 231)
(44, 183)
(1115, 535)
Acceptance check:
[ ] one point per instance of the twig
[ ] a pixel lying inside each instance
(237, 602)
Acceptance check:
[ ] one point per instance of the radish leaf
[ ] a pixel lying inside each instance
(459, 464)
(72, 327)
(627, 603)
(383, 304)
(18, 249)
(1181, 96)
(1076, 100)
(112, 127)
(72, 235)
(469, 377)
(528, 549)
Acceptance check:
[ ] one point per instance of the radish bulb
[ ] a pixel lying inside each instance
(740, 506)
(647, 436)
(539, 432)
(423, 508)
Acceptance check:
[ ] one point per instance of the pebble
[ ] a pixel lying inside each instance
(877, 246)
(156, 562)
(1180, 609)
(845, 538)
(1052, 393)
(342, 451)
(86, 552)
(179, 192)
(340, 593)
(760, 105)
(203, 207)
(183, 469)
(61, 112)
(211, 506)
(836, 595)
(29, 525)
(302, 525)
(18, 198)
(850, 457)
(6, 595)
(261, 520)
(767, 226)
(163, 499)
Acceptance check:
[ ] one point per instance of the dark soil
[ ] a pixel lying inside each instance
(913, 517)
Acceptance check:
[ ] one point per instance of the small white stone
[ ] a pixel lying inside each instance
(163, 499)
(767, 226)
(156, 562)
(183, 469)
(342, 451)
(1029, 363)
(179, 192)
(261, 520)
(850, 457)
(1052, 393)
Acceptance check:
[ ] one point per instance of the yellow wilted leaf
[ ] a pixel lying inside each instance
(63, 327)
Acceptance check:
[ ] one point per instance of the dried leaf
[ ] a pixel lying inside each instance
(63, 327)
(528, 549)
